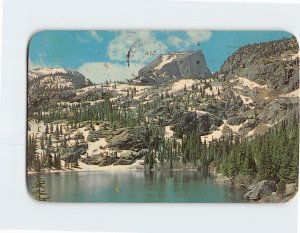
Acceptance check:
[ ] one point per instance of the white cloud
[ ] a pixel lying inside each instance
(196, 36)
(32, 65)
(178, 42)
(99, 72)
(191, 37)
(143, 45)
(96, 36)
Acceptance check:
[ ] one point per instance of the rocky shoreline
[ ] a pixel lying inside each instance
(264, 191)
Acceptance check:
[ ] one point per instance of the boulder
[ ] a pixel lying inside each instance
(194, 121)
(69, 154)
(128, 157)
(73, 152)
(108, 160)
(261, 189)
(95, 159)
(216, 109)
(124, 161)
(290, 190)
(99, 159)
(86, 160)
(273, 198)
(236, 120)
(130, 139)
(128, 154)
(81, 149)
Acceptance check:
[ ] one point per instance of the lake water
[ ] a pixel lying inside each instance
(137, 186)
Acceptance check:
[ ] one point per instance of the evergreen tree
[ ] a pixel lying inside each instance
(39, 188)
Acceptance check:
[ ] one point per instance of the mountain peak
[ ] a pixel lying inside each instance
(174, 66)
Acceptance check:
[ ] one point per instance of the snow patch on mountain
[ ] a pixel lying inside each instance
(35, 73)
(244, 82)
(165, 60)
(184, 83)
(215, 135)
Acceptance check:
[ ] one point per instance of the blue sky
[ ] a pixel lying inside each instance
(101, 55)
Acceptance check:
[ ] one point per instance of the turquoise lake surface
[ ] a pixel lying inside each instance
(137, 186)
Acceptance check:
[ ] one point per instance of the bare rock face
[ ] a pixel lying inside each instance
(275, 64)
(129, 139)
(261, 189)
(72, 154)
(236, 120)
(127, 158)
(291, 190)
(56, 79)
(173, 66)
(276, 197)
(92, 160)
(273, 198)
(192, 121)
(279, 109)
(48, 86)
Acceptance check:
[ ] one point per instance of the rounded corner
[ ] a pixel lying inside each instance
(293, 35)
(292, 199)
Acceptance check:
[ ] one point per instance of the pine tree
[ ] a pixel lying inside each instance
(47, 129)
(285, 166)
(39, 189)
(249, 166)
(42, 139)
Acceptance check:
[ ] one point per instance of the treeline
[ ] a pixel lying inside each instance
(171, 153)
(272, 156)
(103, 111)
(37, 162)
(41, 157)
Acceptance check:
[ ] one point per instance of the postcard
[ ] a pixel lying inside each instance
(188, 116)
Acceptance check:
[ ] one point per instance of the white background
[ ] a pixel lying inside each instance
(22, 18)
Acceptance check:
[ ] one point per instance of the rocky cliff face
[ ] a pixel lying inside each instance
(174, 66)
(274, 63)
(50, 85)
(264, 78)
(57, 78)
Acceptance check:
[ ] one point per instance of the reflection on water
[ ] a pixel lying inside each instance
(137, 186)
